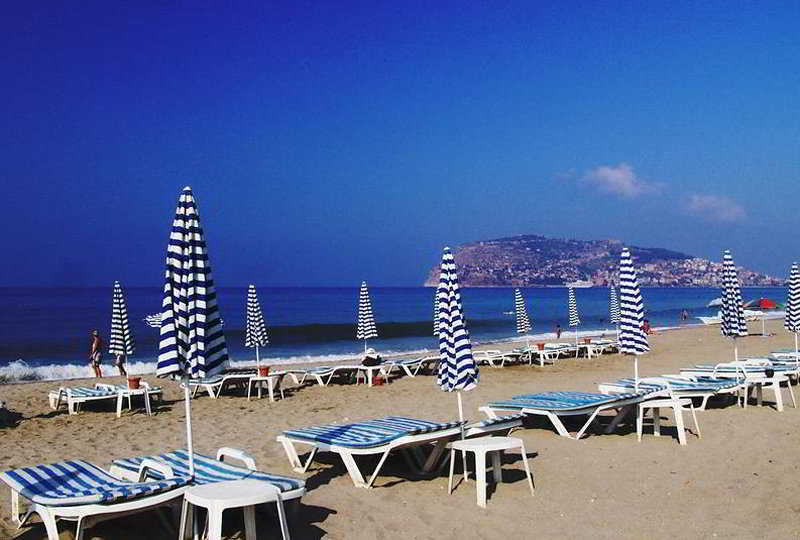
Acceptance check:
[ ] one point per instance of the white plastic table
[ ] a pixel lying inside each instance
(219, 496)
(480, 447)
(271, 380)
(771, 383)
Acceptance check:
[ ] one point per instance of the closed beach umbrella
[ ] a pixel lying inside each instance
(192, 343)
(792, 320)
(366, 322)
(733, 323)
(632, 338)
(574, 320)
(523, 322)
(457, 369)
(613, 308)
(121, 341)
(255, 334)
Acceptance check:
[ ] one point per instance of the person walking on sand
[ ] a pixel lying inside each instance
(96, 353)
(558, 331)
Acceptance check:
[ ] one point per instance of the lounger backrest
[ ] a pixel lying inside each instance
(77, 482)
(208, 470)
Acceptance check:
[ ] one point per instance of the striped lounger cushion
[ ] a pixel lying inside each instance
(748, 369)
(565, 401)
(77, 482)
(489, 422)
(208, 470)
(87, 392)
(369, 433)
(702, 384)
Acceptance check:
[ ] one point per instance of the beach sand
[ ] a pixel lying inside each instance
(738, 481)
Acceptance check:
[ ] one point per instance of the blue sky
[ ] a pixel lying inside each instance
(328, 143)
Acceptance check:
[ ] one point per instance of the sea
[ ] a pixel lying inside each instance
(44, 332)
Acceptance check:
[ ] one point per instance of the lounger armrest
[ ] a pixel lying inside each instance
(235, 453)
(159, 466)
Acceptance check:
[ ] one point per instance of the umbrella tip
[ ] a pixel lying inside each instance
(187, 189)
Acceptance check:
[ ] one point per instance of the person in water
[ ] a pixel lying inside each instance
(96, 352)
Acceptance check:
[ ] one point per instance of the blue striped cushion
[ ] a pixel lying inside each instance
(700, 385)
(88, 391)
(369, 433)
(746, 368)
(209, 470)
(564, 401)
(75, 482)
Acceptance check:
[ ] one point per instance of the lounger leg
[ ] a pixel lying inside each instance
(679, 424)
(49, 523)
(791, 393)
(250, 523)
(119, 404)
(291, 453)
(249, 389)
(80, 527)
(639, 422)
(282, 518)
(147, 406)
(704, 402)
(760, 394)
(352, 468)
(657, 421)
(696, 425)
(527, 466)
(776, 388)
(556, 421)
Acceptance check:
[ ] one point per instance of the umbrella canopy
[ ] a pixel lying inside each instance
(255, 334)
(733, 322)
(523, 322)
(366, 322)
(192, 342)
(121, 341)
(613, 306)
(792, 320)
(574, 320)
(457, 369)
(632, 337)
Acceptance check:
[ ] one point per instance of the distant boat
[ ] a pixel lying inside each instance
(580, 284)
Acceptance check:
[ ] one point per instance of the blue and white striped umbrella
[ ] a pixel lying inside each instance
(121, 341)
(192, 342)
(366, 328)
(613, 307)
(457, 370)
(733, 322)
(523, 322)
(574, 320)
(632, 337)
(792, 320)
(255, 333)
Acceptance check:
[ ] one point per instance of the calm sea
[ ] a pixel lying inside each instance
(44, 332)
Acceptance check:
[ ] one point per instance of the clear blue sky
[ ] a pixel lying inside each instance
(330, 142)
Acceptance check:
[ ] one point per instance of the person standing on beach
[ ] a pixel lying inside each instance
(558, 331)
(96, 353)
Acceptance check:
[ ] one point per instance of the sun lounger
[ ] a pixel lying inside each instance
(494, 358)
(682, 387)
(411, 367)
(556, 404)
(370, 437)
(215, 384)
(76, 396)
(208, 470)
(325, 374)
(79, 491)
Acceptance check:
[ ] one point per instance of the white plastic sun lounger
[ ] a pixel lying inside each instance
(553, 405)
(78, 491)
(682, 387)
(323, 375)
(411, 367)
(208, 470)
(215, 384)
(494, 358)
(370, 437)
(74, 397)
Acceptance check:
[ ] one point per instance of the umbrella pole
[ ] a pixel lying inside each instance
(796, 357)
(188, 400)
(636, 373)
(461, 418)
(763, 327)
(258, 361)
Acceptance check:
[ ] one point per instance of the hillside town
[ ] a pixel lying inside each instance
(538, 261)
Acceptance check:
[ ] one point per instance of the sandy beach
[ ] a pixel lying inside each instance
(738, 481)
